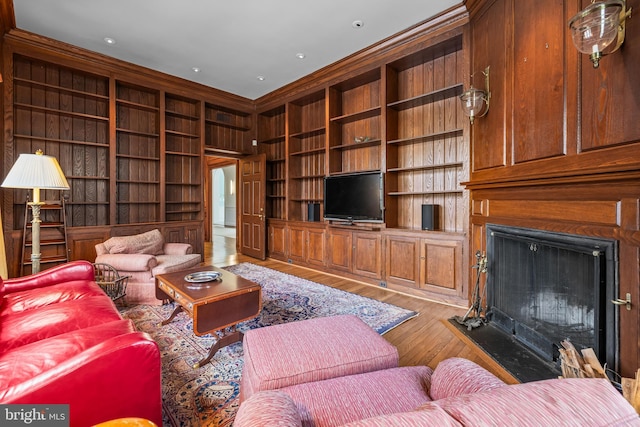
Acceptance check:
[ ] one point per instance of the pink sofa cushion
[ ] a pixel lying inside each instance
(268, 408)
(130, 262)
(456, 376)
(432, 416)
(311, 350)
(567, 402)
(341, 400)
(150, 243)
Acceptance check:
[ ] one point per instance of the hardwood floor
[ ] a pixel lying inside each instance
(423, 340)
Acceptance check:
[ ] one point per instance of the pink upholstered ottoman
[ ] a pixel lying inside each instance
(310, 350)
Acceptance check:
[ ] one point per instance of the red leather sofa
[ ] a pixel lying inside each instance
(62, 341)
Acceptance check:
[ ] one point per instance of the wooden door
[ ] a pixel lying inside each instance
(253, 183)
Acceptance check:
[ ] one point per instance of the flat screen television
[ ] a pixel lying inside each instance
(354, 197)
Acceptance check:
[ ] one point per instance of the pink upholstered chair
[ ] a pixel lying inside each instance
(142, 257)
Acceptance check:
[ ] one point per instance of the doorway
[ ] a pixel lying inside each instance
(218, 198)
(223, 201)
(221, 198)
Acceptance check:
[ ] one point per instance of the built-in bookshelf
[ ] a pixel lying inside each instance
(137, 154)
(307, 153)
(65, 113)
(271, 140)
(183, 159)
(227, 131)
(355, 124)
(425, 149)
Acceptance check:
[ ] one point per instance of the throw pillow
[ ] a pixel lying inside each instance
(150, 243)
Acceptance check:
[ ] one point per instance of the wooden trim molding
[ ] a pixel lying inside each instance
(7, 16)
(56, 51)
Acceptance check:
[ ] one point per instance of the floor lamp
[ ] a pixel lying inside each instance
(36, 171)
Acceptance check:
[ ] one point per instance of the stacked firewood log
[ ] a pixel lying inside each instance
(585, 364)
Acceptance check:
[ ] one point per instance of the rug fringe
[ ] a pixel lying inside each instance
(400, 323)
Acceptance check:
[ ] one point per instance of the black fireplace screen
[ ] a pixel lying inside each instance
(545, 287)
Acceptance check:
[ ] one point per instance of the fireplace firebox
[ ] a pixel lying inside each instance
(544, 287)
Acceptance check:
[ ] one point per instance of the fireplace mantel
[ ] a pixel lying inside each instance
(603, 210)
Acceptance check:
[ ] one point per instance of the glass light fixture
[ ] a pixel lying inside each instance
(36, 171)
(598, 26)
(475, 102)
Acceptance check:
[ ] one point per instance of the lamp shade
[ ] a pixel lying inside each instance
(36, 171)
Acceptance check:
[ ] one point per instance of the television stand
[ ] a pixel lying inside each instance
(352, 225)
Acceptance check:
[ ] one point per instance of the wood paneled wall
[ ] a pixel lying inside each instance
(560, 147)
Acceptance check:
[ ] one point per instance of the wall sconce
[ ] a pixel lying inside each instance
(232, 187)
(597, 26)
(475, 102)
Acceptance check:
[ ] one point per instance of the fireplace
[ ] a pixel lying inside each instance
(543, 287)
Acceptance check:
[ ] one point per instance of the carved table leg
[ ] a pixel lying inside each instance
(177, 310)
(226, 339)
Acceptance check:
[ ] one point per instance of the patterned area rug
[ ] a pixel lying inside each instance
(209, 396)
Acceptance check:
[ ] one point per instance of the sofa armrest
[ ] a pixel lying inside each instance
(129, 262)
(75, 270)
(177, 249)
(101, 249)
(457, 376)
(585, 402)
(268, 408)
(118, 378)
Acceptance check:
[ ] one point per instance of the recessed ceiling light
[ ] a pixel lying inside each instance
(196, 69)
(261, 78)
(357, 24)
(109, 40)
(300, 55)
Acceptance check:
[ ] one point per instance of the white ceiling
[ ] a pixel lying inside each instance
(231, 42)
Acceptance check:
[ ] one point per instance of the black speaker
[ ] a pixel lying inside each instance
(429, 217)
(313, 212)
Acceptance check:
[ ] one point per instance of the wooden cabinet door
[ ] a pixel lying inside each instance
(340, 249)
(402, 260)
(367, 254)
(297, 238)
(316, 242)
(441, 266)
(276, 244)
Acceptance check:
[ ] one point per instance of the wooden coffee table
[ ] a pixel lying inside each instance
(216, 307)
